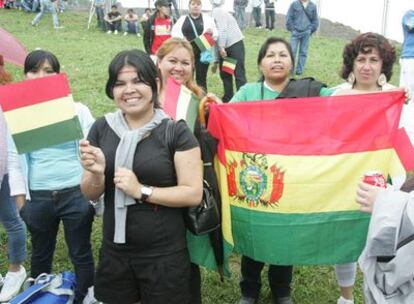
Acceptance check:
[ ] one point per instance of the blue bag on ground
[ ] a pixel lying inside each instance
(49, 289)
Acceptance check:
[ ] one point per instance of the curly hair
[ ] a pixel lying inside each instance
(5, 77)
(364, 43)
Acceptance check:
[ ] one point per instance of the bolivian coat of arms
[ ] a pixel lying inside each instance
(253, 181)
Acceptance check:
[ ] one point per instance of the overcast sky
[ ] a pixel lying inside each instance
(363, 15)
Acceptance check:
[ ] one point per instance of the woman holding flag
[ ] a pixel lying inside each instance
(275, 63)
(176, 60)
(145, 183)
(200, 29)
(53, 176)
(368, 61)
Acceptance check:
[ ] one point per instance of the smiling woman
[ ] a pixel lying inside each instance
(145, 184)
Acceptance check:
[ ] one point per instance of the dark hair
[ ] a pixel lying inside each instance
(147, 9)
(364, 43)
(130, 10)
(146, 71)
(265, 46)
(34, 60)
(114, 6)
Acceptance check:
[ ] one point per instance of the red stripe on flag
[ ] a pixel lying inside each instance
(309, 126)
(209, 39)
(172, 93)
(404, 149)
(228, 70)
(30, 92)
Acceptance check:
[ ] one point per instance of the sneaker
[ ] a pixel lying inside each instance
(125, 33)
(116, 32)
(342, 300)
(12, 284)
(34, 24)
(138, 35)
(59, 27)
(109, 32)
(247, 300)
(284, 300)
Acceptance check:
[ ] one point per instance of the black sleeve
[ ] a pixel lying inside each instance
(93, 135)
(183, 138)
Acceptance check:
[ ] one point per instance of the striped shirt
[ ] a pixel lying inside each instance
(3, 147)
(228, 29)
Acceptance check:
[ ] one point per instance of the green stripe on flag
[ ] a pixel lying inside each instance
(192, 113)
(48, 136)
(299, 239)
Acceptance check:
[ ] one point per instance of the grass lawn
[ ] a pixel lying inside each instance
(85, 55)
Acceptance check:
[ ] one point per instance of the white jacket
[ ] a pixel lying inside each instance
(207, 21)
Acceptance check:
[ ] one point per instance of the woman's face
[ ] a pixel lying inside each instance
(277, 63)
(367, 68)
(44, 70)
(195, 8)
(177, 64)
(132, 96)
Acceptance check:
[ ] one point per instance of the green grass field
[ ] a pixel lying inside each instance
(85, 55)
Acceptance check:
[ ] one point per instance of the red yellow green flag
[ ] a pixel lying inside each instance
(288, 173)
(40, 112)
(204, 41)
(229, 65)
(181, 103)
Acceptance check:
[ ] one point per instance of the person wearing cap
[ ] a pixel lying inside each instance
(158, 27)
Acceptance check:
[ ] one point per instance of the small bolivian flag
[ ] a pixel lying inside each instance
(204, 41)
(288, 173)
(229, 65)
(40, 112)
(181, 103)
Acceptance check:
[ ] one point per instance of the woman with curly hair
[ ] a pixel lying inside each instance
(367, 67)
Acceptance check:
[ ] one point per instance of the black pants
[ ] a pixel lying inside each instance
(279, 277)
(195, 284)
(270, 19)
(236, 51)
(201, 71)
(114, 26)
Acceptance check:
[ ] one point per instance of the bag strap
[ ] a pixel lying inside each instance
(193, 26)
(305, 11)
(169, 136)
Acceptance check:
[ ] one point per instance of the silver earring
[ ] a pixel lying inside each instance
(351, 78)
(382, 79)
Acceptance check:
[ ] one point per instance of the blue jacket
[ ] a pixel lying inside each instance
(407, 49)
(298, 21)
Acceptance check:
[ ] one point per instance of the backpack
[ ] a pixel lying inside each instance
(48, 289)
(305, 87)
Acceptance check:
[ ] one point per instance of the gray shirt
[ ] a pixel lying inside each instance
(228, 29)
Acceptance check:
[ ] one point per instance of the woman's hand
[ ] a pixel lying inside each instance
(92, 158)
(127, 181)
(223, 53)
(214, 97)
(366, 196)
(210, 31)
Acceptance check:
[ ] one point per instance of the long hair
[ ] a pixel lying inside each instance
(5, 77)
(173, 44)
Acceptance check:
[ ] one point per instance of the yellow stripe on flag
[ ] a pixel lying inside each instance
(183, 101)
(229, 65)
(310, 183)
(39, 115)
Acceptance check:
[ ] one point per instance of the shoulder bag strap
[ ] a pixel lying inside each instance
(305, 11)
(193, 26)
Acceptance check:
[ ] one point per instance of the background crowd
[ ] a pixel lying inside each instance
(133, 266)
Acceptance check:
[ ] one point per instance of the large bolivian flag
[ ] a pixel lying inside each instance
(40, 112)
(288, 172)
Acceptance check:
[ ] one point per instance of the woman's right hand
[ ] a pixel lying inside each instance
(92, 158)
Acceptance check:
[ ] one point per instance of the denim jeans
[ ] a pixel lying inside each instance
(300, 41)
(100, 17)
(270, 18)
(46, 5)
(257, 15)
(131, 27)
(240, 15)
(15, 227)
(114, 26)
(42, 216)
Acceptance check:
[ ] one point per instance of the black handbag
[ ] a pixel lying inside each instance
(205, 217)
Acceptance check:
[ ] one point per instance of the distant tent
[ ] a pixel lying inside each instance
(11, 49)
